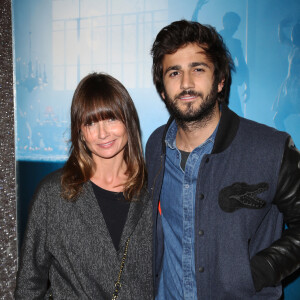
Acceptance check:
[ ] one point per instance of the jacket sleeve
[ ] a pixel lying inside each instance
(32, 277)
(282, 258)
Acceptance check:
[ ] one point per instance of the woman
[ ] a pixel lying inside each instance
(89, 230)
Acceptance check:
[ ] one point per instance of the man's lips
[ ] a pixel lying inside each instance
(188, 97)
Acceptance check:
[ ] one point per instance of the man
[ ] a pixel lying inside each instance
(222, 186)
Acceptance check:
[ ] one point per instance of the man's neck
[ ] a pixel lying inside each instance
(190, 136)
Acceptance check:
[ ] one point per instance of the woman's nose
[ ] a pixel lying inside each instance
(102, 130)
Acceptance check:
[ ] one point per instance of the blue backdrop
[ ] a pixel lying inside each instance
(57, 42)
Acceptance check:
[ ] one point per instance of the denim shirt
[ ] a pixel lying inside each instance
(178, 280)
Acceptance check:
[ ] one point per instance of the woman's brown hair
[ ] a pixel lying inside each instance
(99, 96)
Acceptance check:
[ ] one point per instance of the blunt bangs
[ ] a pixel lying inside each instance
(100, 102)
(99, 109)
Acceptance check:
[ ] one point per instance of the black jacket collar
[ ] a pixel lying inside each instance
(228, 127)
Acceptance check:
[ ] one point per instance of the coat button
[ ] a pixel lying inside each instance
(201, 196)
(201, 232)
(201, 269)
(207, 160)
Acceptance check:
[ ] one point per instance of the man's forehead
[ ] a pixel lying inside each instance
(201, 48)
(191, 53)
(190, 47)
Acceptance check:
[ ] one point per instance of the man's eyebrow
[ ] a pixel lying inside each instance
(191, 65)
(196, 64)
(172, 68)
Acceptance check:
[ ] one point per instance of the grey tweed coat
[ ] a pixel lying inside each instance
(68, 244)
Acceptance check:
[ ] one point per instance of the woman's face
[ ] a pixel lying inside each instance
(105, 139)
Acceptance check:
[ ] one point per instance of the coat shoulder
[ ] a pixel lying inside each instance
(155, 140)
(255, 130)
(50, 181)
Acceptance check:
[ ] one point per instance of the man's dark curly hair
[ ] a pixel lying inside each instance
(180, 33)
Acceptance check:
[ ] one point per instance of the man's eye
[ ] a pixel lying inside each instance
(199, 70)
(173, 74)
(90, 124)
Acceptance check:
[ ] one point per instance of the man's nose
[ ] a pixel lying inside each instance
(187, 81)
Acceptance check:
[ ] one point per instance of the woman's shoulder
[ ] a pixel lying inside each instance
(143, 195)
(47, 191)
(52, 178)
(50, 183)
(144, 201)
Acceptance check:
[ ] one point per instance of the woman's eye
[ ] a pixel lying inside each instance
(111, 119)
(90, 124)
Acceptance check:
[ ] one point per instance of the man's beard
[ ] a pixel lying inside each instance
(198, 116)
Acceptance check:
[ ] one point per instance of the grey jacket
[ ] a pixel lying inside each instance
(69, 244)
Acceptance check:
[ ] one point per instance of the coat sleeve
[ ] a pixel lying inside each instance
(282, 258)
(32, 276)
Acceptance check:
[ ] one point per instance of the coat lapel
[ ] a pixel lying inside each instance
(134, 214)
(91, 212)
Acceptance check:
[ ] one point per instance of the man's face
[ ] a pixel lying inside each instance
(190, 93)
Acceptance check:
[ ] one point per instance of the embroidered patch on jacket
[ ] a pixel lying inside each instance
(242, 195)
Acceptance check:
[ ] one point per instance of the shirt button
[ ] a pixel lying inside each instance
(201, 269)
(201, 196)
(201, 232)
(186, 186)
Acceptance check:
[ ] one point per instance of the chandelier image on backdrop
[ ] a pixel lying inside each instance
(29, 76)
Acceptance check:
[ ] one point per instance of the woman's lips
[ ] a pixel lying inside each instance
(106, 145)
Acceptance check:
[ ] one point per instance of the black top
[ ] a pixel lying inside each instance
(184, 158)
(114, 208)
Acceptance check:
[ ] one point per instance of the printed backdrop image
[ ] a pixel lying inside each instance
(58, 42)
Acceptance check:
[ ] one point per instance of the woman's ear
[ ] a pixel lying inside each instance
(81, 136)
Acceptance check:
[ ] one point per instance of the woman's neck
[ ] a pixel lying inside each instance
(110, 174)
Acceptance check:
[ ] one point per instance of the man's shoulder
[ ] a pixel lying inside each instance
(261, 133)
(154, 143)
(260, 128)
(156, 136)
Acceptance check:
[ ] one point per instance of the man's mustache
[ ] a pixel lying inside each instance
(189, 93)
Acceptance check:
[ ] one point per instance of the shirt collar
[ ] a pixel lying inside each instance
(172, 131)
(171, 136)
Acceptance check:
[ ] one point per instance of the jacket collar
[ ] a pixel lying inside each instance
(90, 208)
(228, 127)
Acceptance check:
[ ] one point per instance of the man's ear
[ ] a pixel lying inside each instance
(221, 85)
(163, 95)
